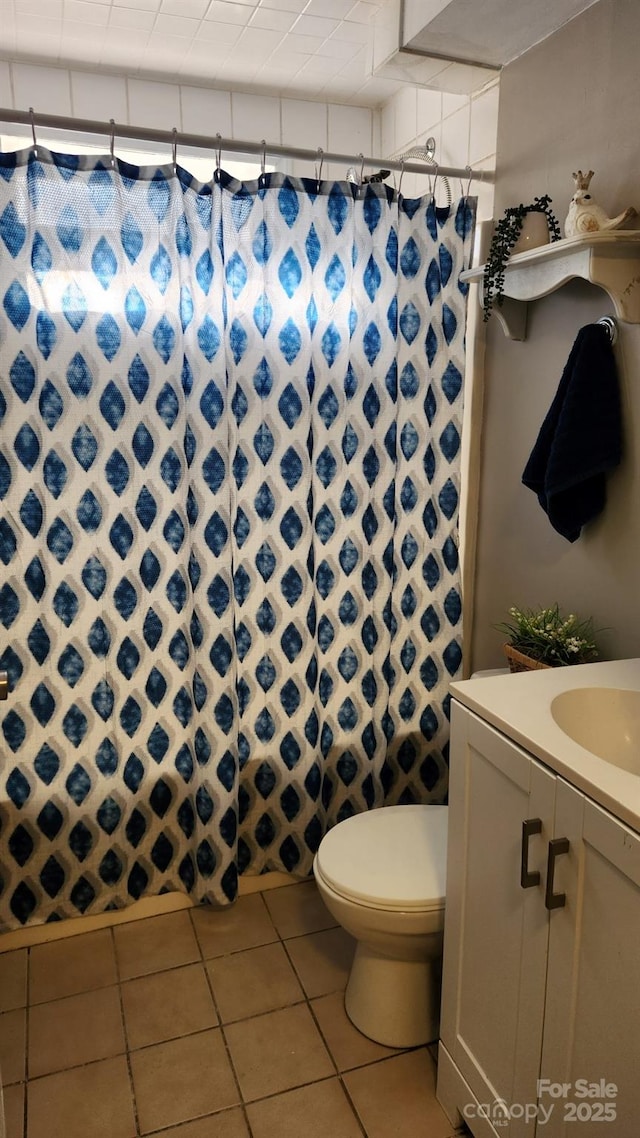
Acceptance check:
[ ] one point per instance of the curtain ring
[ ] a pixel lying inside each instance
(470, 173)
(218, 154)
(263, 159)
(361, 157)
(401, 176)
(320, 155)
(174, 150)
(33, 132)
(112, 142)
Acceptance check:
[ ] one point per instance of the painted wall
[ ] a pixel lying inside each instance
(569, 103)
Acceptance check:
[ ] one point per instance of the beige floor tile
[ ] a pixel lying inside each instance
(79, 1029)
(397, 1097)
(13, 1038)
(14, 1110)
(167, 1005)
(13, 980)
(349, 1047)
(227, 1124)
(298, 909)
(249, 983)
(93, 1101)
(311, 1112)
(277, 1051)
(322, 960)
(246, 924)
(181, 1080)
(66, 967)
(154, 944)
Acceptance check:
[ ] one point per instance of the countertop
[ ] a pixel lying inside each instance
(519, 705)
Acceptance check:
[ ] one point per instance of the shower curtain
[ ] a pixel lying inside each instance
(229, 480)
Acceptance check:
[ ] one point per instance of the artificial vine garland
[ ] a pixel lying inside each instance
(506, 234)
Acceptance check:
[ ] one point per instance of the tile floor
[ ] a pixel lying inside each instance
(203, 1024)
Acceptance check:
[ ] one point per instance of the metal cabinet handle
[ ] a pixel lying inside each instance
(553, 900)
(4, 685)
(529, 877)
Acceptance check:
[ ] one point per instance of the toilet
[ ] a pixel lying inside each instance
(382, 875)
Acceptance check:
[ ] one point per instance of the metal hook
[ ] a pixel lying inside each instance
(33, 132)
(263, 161)
(174, 150)
(610, 326)
(401, 176)
(361, 157)
(320, 153)
(112, 142)
(435, 182)
(218, 155)
(470, 173)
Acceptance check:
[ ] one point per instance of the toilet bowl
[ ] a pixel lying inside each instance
(382, 875)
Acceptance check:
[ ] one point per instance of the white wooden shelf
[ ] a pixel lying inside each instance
(610, 260)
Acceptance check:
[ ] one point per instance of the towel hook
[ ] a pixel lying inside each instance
(33, 132)
(112, 142)
(610, 326)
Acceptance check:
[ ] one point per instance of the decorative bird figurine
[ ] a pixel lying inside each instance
(585, 215)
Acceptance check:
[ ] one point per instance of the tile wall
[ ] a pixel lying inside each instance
(197, 110)
(464, 127)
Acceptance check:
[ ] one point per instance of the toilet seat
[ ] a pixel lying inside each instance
(393, 858)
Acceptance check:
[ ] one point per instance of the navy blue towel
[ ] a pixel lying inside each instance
(581, 437)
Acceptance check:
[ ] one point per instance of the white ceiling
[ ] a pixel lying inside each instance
(309, 48)
(492, 32)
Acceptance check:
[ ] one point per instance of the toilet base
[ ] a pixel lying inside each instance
(394, 1002)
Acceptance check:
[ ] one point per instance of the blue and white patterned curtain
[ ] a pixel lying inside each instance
(229, 477)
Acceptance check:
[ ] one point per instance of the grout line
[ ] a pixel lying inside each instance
(352, 1105)
(25, 1115)
(126, 1037)
(222, 1032)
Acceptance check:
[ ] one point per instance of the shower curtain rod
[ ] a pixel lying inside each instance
(238, 146)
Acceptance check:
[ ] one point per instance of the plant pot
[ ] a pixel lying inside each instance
(518, 662)
(534, 232)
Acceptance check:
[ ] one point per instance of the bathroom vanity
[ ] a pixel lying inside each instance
(540, 1022)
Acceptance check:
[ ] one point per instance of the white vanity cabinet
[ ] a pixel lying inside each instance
(542, 949)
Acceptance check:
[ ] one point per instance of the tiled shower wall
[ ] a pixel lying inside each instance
(464, 127)
(197, 110)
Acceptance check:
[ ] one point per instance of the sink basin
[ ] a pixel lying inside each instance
(605, 721)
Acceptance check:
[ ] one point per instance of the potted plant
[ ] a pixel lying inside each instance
(544, 638)
(507, 233)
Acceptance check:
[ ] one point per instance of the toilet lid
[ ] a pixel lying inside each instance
(391, 858)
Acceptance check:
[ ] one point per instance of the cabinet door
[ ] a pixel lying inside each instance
(495, 931)
(592, 1016)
